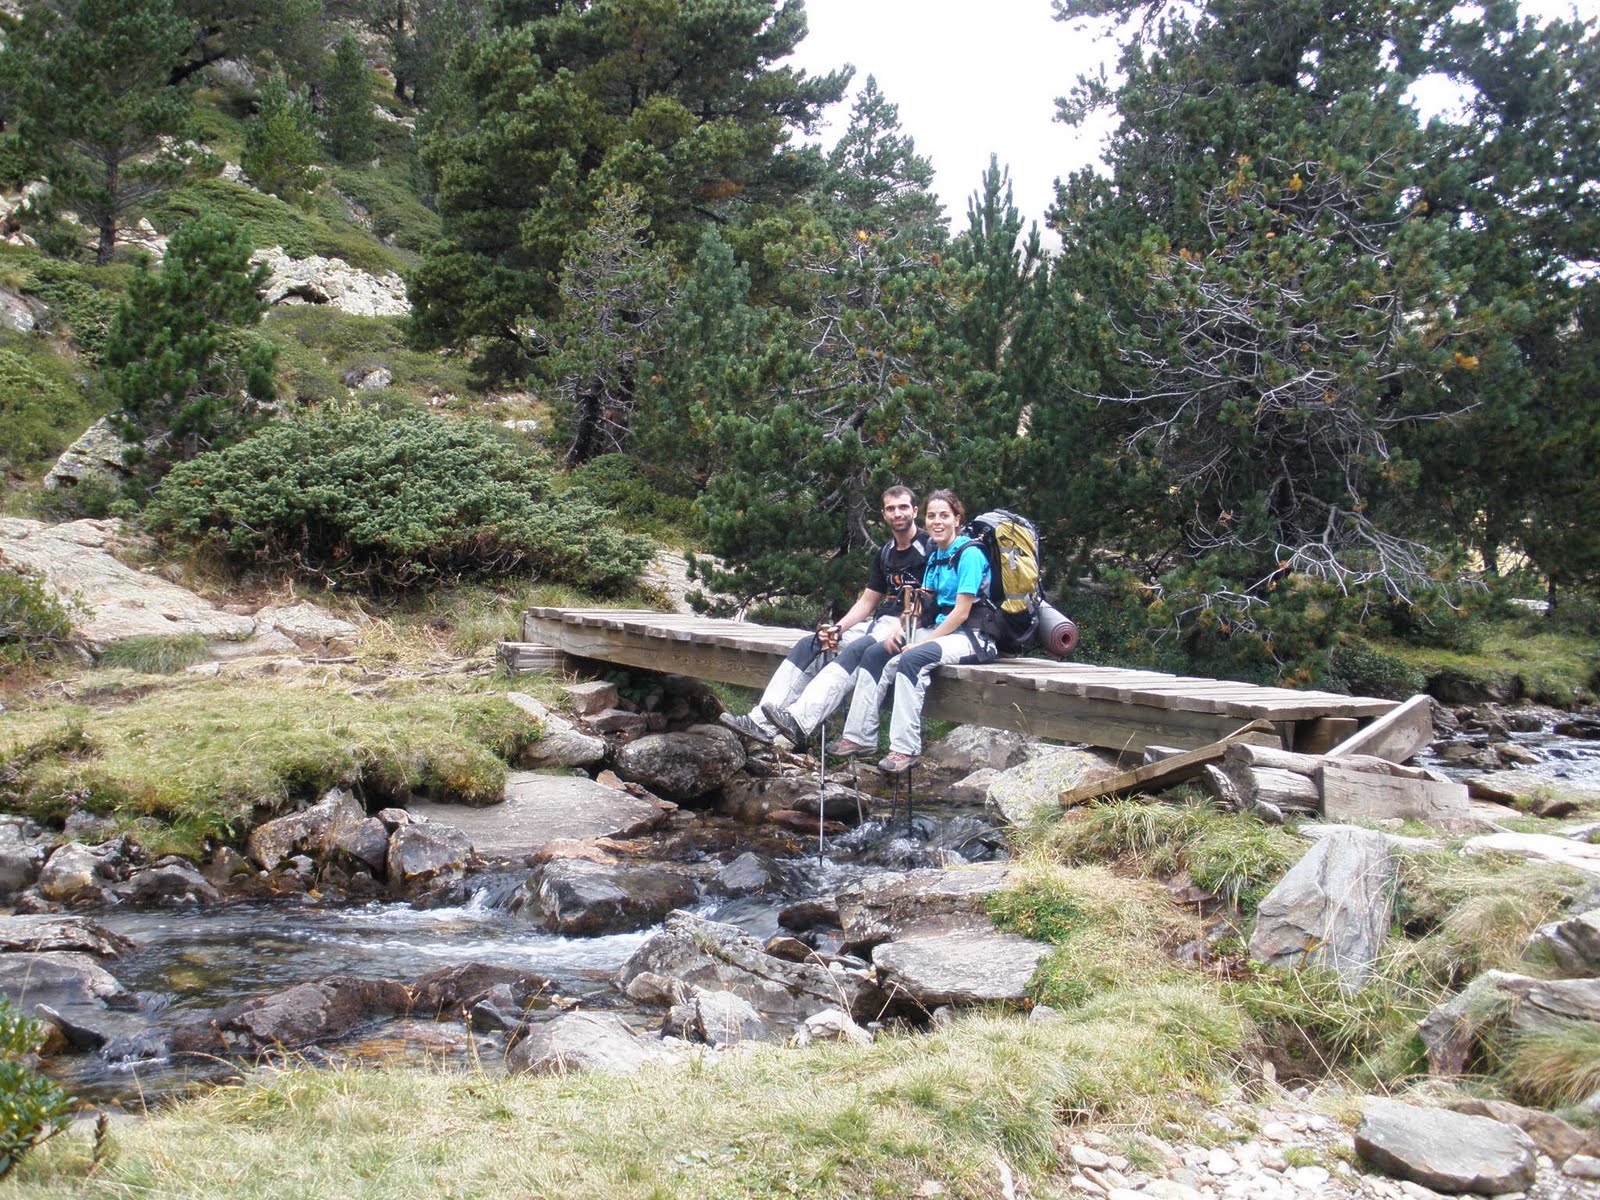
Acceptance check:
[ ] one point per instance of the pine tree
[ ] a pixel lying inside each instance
(181, 358)
(348, 126)
(615, 296)
(562, 101)
(280, 142)
(95, 109)
(876, 179)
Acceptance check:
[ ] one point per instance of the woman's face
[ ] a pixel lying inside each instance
(941, 521)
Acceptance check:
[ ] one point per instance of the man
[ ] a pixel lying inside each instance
(801, 695)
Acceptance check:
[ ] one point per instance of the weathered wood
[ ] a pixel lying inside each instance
(1221, 788)
(1157, 775)
(1321, 734)
(1350, 795)
(1396, 735)
(1309, 764)
(1115, 708)
(520, 657)
(1283, 790)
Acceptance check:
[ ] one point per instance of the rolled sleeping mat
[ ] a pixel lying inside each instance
(1057, 634)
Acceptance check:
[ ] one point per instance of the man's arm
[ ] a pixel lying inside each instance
(863, 608)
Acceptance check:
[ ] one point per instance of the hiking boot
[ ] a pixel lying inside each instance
(895, 763)
(846, 748)
(745, 727)
(787, 725)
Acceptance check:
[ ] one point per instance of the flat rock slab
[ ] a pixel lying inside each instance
(1525, 788)
(114, 602)
(1446, 1151)
(540, 809)
(584, 1042)
(960, 966)
(1018, 793)
(885, 907)
(1541, 847)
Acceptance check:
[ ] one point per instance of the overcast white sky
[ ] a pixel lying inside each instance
(971, 79)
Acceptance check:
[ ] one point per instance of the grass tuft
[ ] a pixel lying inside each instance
(1554, 1066)
(1235, 857)
(152, 654)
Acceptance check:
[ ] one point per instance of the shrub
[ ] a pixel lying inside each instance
(348, 495)
(82, 300)
(31, 1107)
(42, 406)
(1361, 669)
(280, 142)
(618, 482)
(33, 625)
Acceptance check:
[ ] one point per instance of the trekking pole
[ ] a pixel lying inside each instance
(828, 642)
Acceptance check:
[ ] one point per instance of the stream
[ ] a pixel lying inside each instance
(188, 961)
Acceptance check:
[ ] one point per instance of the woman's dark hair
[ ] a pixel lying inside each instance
(949, 498)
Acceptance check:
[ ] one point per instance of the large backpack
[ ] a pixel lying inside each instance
(1015, 595)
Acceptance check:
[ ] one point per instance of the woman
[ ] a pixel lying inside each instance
(956, 584)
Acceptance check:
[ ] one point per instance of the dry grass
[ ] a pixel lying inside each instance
(830, 1121)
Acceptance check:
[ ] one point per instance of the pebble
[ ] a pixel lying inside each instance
(1088, 1156)
(1277, 1131)
(1220, 1162)
(1581, 1166)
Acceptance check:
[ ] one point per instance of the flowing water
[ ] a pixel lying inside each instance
(187, 962)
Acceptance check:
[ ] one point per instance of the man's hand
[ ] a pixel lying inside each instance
(828, 636)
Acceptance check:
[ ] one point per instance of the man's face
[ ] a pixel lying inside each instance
(899, 513)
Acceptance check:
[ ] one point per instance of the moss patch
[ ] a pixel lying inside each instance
(209, 757)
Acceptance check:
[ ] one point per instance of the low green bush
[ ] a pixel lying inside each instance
(31, 1107)
(391, 502)
(1361, 669)
(82, 299)
(33, 625)
(618, 482)
(43, 404)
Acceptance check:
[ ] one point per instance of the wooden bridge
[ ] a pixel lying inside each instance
(1110, 707)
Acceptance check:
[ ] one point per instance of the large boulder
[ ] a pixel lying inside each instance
(315, 830)
(1020, 792)
(541, 809)
(21, 857)
(108, 601)
(71, 992)
(308, 626)
(576, 898)
(682, 766)
(719, 1019)
(1331, 909)
(968, 748)
(1447, 1151)
(98, 455)
(563, 743)
(172, 882)
(959, 966)
(583, 1042)
(39, 934)
(423, 854)
(451, 991)
(1452, 1032)
(303, 1015)
(76, 873)
(723, 958)
(331, 281)
(890, 906)
(1573, 944)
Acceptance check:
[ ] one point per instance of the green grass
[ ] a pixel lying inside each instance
(1556, 1066)
(323, 229)
(155, 655)
(1236, 858)
(829, 1121)
(1550, 664)
(211, 757)
(319, 344)
(1108, 932)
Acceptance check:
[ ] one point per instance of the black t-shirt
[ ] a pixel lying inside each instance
(893, 569)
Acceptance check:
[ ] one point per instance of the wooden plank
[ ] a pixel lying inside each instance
(1321, 734)
(520, 657)
(1396, 735)
(1351, 795)
(1157, 775)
